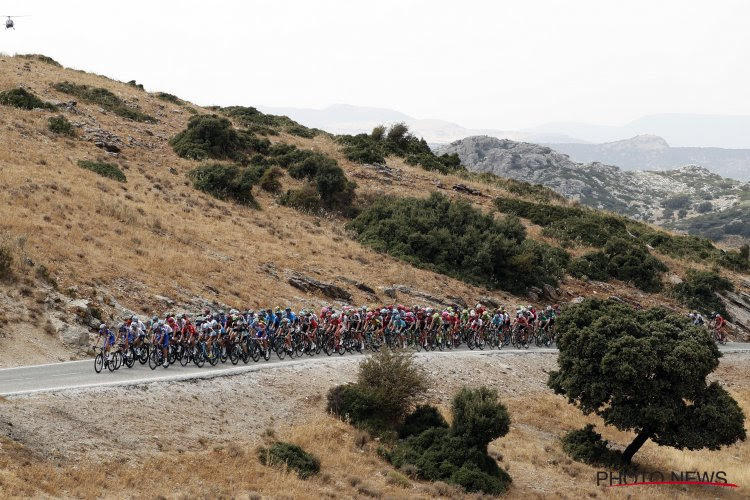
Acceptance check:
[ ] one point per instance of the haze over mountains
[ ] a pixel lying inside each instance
(719, 143)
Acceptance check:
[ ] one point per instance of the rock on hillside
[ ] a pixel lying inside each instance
(653, 196)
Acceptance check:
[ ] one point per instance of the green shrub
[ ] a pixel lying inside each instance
(680, 201)
(291, 457)
(306, 198)
(398, 141)
(704, 207)
(6, 262)
(104, 169)
(631, 262)
(472, 479)
(458, 454)
(335, 191)
(625, 260)
(587, 446)
(395, 380)
(23, 99)
(60, 125)
(593, 266)
(301, 131)
(645, 371)
(269, 181)
(41, 58)
(251, 118)
(478, 417)
(358, 405)
(700, 289)
(423, 417)
(103, 98)
(164, 96)
(590, 227)
(225, 181)
(387, 385)
(212, 136)
(458, 240)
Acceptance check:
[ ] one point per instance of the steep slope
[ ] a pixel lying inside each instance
(650, 152)
(154, 242)
(661, 196)
(86, 248)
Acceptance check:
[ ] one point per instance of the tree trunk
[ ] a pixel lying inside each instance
(633, 447)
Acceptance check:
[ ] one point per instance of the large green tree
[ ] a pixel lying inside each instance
(645, 371)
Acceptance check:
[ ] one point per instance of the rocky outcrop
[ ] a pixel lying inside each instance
(308, 284)
(637, 194)
(738, 307)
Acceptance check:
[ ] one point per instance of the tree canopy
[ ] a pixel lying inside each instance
(645, 371)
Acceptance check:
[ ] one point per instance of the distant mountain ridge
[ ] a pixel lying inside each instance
(670, 198)
(644, 144)
(651, 152)
(348, 119)
(678, 129)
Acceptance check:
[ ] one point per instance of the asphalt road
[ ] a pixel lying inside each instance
(80, 375)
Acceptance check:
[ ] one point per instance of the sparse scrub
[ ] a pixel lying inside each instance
(23, 99)
(398, 141)
(41, 58)
(456, 239)
(590, 227)
(397, 479)
(103, 98)
(164, 96)
(626, 260)
(458, 454)
(269, 181)
(226, 182)
(292, 457)
(104, 169)
(265, 124)
(60, 125)
(587, 446)
(680, 201)
(305, 199)
(423, 417)
(387, 386)
(212, 136)
(700, 289)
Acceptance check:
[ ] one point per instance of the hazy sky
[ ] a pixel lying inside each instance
(500, 64)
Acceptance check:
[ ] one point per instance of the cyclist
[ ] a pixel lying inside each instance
(719, 323)
(109, 340)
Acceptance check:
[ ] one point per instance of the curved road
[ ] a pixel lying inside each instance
(80, 374)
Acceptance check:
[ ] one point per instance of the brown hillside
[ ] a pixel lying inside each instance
(154, 241)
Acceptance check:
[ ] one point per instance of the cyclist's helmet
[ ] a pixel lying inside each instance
(102, 327)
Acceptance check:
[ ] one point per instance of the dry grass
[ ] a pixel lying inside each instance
(166, 238)
(531, 452)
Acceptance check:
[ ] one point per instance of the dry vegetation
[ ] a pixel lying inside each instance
(156, 235)
(219, 459)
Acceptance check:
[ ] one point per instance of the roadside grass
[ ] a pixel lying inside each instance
(531, 452)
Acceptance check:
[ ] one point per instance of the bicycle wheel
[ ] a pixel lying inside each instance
(117, 357)
(199, 359)
(153, 359)
(143, 358)
(98, 363)
(112, 364)
(129, 358)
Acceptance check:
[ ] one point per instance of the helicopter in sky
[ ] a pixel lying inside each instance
(9, 23)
